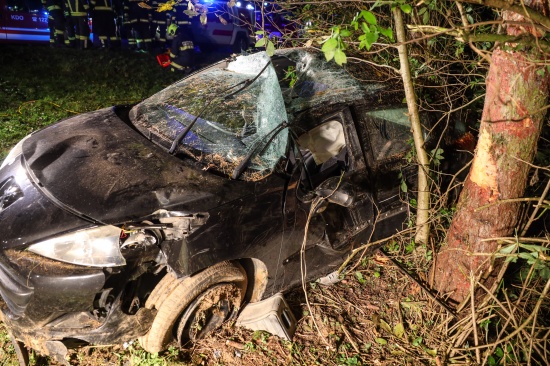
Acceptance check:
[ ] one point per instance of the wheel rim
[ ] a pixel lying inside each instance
(208, 312)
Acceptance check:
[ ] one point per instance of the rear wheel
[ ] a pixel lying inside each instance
(190, 308)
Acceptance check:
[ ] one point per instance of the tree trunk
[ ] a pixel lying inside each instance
(517, 92)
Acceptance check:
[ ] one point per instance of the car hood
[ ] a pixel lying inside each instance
(97, 166)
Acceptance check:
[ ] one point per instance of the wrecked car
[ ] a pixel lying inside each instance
(159, 221)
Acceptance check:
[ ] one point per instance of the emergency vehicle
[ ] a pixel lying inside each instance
(23, 21)
(226, 26)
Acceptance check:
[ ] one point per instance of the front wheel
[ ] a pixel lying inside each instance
(190, 308)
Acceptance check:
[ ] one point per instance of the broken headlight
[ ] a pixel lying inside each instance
(96, 247)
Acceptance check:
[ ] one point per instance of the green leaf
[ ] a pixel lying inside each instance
(369, 17)
(360, 277)
(381, 341)
(270, 49)
(426, 18)
(329, 48)
(417, 341)
(533, 247)
(330, 45)
(528, 256)
(399, 330)
(403, 186)
(371, 38)
(329, 55)
(405, 8)
(261, 42)
(431, 352)
(345, 33)
(386, 32)
(384, 325)
(340, 57)
(509, 249)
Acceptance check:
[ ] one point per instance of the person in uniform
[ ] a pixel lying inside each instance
(182, 52)
(78, 10)
(138, 19)
(56, 21)
(104, 26)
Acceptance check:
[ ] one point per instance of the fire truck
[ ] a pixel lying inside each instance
(23, 21)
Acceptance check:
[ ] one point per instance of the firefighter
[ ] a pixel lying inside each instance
(78, 10)
(118, 8)
(56, 21)
(161, 20)
(138, 20)
(70, 37)
(182, 53)
(104, 26)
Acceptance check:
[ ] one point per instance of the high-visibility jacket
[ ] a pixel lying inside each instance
(50, 5)
(102, 5)
(78, 8)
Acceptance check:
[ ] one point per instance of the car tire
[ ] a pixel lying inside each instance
(241, 44)
(185, 306)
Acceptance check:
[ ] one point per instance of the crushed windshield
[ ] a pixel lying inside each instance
(226, 130)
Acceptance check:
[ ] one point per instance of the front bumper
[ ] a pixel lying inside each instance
(35, 288)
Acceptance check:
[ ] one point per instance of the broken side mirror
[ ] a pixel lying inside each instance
(336, 191)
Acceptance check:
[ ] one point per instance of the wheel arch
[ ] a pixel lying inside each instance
(257, 274)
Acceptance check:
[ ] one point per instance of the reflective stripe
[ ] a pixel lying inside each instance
(103, 8)
(179, 67)
(186, 46)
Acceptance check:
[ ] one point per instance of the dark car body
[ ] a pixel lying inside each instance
(238, 187)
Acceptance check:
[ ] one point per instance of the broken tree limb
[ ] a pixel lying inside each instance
(423, 199)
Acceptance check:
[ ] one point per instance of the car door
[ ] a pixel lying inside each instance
(23, 21)
(327, 154)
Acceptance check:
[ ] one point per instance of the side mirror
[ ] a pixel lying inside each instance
(336, 191)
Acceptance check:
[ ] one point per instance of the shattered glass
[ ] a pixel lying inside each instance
(390, 133)
(226, 129)
(319, 82)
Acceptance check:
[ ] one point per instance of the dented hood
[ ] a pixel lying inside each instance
(96, 165)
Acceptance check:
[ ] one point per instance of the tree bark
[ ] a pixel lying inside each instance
(517, 92)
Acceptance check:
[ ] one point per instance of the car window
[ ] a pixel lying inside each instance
(235, 118)
(389, 132)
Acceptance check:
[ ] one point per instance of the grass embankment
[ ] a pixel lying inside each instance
(40, 85)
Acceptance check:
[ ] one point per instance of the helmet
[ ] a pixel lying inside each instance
(172, 28)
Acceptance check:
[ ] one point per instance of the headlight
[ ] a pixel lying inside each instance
(97, 247)
(14, 153)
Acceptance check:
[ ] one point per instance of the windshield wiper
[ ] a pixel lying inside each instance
(260, 144)
(246, 83)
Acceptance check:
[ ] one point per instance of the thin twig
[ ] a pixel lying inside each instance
(473, 311)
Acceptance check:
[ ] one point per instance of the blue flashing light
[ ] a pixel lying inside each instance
(238, 4)
(249, 7)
